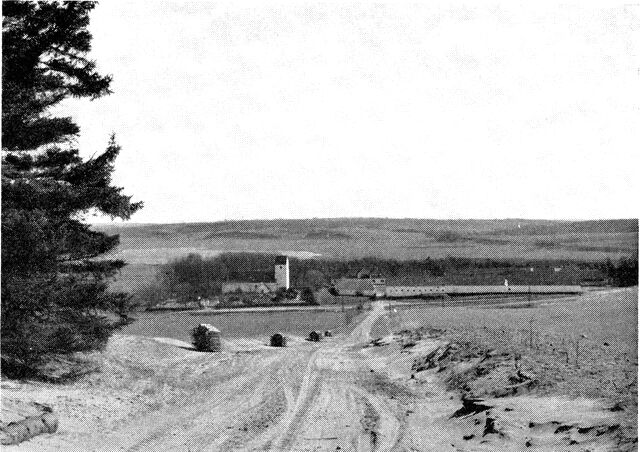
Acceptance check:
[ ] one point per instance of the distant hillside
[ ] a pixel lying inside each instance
(247, 235)
(348, 238)
(326, 234)
(580, 227)
(146, 246)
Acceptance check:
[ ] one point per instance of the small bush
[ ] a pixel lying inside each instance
(206, 338)
(278, 340)
(307, 296)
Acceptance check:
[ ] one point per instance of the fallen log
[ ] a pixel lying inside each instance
(19, 431)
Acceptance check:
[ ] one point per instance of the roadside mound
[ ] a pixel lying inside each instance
(509, 399)
(476, 371)
(133, 375)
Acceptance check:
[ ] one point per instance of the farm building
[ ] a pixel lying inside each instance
(363, 287)
(367, 283)
(281, 276)
(375, 286)
(249, 287)
(409, 291)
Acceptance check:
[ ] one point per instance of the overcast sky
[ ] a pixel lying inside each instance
(242, 110)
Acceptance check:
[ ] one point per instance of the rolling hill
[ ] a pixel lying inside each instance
(147, 246)
(346, 238)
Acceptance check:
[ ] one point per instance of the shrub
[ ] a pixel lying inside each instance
(624, 273)
(206, 338)
(307, 296)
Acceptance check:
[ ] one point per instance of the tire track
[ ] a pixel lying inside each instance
(184, 420)
(330, 408)
(383, 426)
(296, 412)
(190, 429)
(265, 401)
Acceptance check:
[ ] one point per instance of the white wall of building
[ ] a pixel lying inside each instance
(282, 274)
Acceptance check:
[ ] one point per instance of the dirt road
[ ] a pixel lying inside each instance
(269, 399)
(306, 396)
(333, 395)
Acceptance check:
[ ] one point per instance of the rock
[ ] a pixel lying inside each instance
(378, 342)
(471, 406)
(617, 407)
(563, 428)
(490, 427)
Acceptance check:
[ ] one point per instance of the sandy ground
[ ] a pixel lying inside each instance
(339, 394)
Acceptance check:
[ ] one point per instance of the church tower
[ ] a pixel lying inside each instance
(282, 272)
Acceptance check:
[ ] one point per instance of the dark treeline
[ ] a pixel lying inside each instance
(191, 277)
(54, 291)
(623, 273)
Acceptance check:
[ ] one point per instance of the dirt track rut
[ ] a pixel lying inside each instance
(303, 397)
(332, 409)
(156, 394)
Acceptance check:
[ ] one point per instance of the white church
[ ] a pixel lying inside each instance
(281, 276)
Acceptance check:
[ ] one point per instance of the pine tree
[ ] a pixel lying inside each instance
(54, 280)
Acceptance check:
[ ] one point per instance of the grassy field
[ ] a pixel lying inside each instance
(386, 238)
(178, 325)
(581, 346)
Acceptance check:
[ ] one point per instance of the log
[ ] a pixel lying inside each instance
(19, 431)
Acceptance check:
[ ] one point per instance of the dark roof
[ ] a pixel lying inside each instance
(281, 260)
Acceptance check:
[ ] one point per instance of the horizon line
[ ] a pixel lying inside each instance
(560, 220)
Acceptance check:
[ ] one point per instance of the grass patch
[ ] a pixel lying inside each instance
(585, 346)
(249, 235)
(178, 325)
(327, 234)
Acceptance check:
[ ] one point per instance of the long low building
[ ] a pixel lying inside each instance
(249, 287)
(376, 287)
(409, 291)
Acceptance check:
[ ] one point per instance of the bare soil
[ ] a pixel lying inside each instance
(342, 393)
